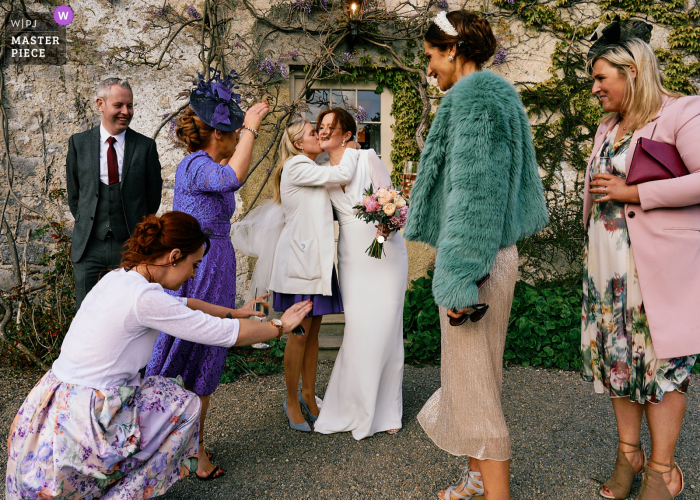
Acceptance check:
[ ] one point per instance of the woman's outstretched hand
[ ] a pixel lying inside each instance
(613, 188)
(255, 114)
(293, 316)
(249, 308)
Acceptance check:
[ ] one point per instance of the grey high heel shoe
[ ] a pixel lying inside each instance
(297, 427)
(312, 418)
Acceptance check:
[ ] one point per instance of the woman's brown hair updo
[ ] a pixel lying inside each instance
(155, 236)
(192, 130)
(341, 118)
(475, 41)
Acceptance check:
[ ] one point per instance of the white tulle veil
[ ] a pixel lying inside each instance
(256, 235)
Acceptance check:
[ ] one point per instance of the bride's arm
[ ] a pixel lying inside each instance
(377, 171)
(308, 173)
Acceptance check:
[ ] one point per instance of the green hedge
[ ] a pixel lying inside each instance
(544, 327)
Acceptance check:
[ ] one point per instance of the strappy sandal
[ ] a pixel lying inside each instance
(463, 491)
(653, 484)
(623, 475)
(212, 474)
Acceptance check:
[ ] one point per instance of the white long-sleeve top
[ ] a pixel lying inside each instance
(112, 335)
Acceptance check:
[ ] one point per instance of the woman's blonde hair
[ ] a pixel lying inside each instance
(642, 98)
(293, 133)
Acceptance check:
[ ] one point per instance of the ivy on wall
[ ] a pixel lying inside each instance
(406, 110)
(566, 117)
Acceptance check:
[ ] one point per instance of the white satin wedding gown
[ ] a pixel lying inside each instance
(364, 392)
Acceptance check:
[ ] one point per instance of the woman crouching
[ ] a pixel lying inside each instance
(92, 427)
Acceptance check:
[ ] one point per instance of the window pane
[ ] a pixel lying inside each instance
(317, 100)
(369, 137)
(343, 99)
(371, 102)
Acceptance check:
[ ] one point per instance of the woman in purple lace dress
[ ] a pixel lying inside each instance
(206, 189)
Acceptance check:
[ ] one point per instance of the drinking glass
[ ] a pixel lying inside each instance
(601, 165)
(410, 172)
(263, 307)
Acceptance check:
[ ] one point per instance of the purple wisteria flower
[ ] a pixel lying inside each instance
(284, 70)
(360, 115)
(192, 12)
(443, 4)
(292, 53)
(501, 55)
(324, 5)
(346, 57)
(303, 6)
(268, 66)
(511, 2)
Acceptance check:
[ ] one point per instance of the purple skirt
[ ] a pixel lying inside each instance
(323, 304)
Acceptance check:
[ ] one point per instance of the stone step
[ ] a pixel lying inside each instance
(332, 319)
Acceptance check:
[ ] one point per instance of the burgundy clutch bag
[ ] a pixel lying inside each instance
(653, 161)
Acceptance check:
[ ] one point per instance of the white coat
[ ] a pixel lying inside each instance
(303, 262)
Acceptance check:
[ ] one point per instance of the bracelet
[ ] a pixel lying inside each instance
(255, 132)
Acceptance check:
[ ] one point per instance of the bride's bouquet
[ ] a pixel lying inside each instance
(385, 207)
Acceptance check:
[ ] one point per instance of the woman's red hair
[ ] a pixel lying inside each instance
(155, 236)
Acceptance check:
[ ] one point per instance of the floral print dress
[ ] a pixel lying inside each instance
(618, 355)
(73, 442)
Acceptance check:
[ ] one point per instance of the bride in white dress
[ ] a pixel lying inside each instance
(364, 392)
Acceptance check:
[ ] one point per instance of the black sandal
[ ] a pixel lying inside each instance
(212, 474)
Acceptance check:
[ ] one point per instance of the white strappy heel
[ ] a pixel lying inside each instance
(471, 486)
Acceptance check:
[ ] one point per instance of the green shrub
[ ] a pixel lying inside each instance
(249, 361)
(421, 322)
(47, 313)
(545, 327)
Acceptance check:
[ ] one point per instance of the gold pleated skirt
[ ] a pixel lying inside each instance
(464, 416)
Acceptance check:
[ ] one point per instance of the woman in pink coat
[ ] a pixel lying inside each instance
(640, 334)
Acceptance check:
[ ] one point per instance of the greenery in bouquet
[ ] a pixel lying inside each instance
(387, 208)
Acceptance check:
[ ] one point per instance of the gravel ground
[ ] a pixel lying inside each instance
(563, 437)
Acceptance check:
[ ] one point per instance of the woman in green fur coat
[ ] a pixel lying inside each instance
(478, 192)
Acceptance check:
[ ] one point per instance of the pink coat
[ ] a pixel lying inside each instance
(664, 230)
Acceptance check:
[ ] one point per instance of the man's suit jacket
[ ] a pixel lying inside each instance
(141, 183)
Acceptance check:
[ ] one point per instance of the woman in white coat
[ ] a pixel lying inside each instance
(303, 264)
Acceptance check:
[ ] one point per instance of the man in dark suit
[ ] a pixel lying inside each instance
(113, 177)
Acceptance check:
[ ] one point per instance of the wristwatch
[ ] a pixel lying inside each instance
(277, 324)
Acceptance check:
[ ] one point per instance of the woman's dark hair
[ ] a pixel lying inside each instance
(341, 118)
(155, 236)
(475, 41)
(193, 131)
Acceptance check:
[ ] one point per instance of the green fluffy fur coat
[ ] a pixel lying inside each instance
(478, 188)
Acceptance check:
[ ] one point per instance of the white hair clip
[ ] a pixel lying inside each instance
(444, 24)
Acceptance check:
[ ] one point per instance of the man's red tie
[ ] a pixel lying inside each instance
(112, 164)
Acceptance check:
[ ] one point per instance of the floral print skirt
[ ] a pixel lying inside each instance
(74, 442)
(618, 354)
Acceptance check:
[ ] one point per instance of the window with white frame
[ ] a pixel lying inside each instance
(373, 128)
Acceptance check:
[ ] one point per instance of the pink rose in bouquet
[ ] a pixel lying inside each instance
(370, 203)
(387, 209)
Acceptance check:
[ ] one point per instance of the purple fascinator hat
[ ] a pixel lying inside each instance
(215, 102)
